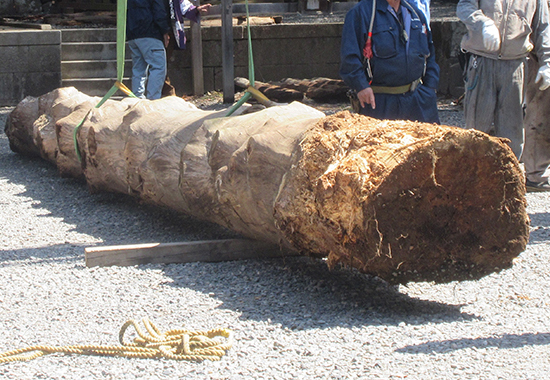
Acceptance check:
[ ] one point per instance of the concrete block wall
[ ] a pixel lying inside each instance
(279, 51)
(30, 63)
(20, 7)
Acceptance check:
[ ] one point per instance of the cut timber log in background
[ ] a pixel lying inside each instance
(404, 201)
(288, 90)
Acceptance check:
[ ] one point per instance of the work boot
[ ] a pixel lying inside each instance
(536, 186)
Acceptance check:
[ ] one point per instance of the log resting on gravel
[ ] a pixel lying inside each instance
(401, 200)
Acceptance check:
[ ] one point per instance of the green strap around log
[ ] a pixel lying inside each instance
(120, 56)
(250, 91)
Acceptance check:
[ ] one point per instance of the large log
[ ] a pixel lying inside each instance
(400, 200)
(32, 130)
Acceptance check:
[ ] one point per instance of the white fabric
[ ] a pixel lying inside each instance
(543, 76)
(491, 36)
(185, 6)
(424, 6)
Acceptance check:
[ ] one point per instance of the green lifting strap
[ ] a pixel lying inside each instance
(251, 79)
(120, 56)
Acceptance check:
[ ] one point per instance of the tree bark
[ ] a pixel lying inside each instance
(272, 91)
(401, 200)
(318, 89)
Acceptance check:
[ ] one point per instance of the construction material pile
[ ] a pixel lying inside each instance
(404, 201)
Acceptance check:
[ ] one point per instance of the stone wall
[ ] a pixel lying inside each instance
(20, 7)
(279, 51)
(30, 63)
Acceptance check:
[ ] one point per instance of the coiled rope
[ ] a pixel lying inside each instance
(177, 344)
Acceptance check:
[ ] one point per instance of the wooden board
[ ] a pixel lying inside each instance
(184, 252)
(25, 25)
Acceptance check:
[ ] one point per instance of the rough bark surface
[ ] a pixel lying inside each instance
(232, 167)
(405, 201)
(319, 89)
(400, 200)
(272, 91)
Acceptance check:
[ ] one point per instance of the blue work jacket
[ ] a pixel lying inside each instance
(394, 62)
(147, 19)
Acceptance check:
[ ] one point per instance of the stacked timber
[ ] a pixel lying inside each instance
(404, 201)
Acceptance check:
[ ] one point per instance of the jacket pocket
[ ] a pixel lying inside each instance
(516, 40)
(384, 42)
(419, 38)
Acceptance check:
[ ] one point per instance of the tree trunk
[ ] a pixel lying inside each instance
(272, 91)
(401, 200)
(318, 89)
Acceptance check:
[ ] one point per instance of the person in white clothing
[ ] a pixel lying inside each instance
(500, 35)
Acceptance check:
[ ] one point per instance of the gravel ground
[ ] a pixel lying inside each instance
(291, 318)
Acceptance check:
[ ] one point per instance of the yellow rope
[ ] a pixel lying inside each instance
(177, 344)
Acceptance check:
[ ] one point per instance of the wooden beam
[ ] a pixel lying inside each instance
(261, 9)
(196, 57)
(184, 252)
(25, 25)
(228, 66)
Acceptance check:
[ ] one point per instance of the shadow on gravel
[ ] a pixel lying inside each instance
(540, 227)
(42, 255)
(113, 218)
(505, 341)
(302, 293)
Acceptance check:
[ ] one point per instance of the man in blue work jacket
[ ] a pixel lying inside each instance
(394, 74)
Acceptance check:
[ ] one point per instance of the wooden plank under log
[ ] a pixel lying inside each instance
(184, 252)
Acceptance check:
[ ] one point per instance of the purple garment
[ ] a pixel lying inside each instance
(180, 9)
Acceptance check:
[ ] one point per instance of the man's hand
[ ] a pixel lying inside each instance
(166, 39)
(204, 8)
(366, 96)
(491, 36)
(543, 76)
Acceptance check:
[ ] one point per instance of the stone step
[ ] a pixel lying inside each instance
(88, 60)
(94, 86)
(79, 51)
(88, 35)
(93, 69)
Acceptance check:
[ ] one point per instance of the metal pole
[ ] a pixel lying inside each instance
(228, 67)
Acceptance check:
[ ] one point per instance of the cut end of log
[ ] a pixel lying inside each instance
(405, 201)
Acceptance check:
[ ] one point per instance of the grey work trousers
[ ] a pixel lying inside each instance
(536, 152)
(494, 98)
